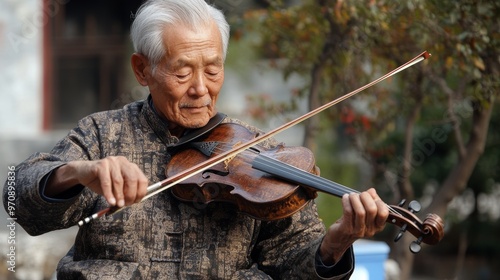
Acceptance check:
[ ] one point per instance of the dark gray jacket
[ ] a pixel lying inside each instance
(160, 238)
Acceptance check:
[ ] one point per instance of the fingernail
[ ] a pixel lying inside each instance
(112, 201)
(121, 203)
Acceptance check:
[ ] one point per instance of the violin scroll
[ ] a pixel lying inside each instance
(430, 231)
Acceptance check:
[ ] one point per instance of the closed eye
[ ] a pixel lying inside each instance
(212, 73)
(213, 70)
(182, 75)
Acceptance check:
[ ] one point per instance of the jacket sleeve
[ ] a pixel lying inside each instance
(38, 214)
(287, 248)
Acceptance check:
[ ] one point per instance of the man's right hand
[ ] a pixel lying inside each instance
(117, 179)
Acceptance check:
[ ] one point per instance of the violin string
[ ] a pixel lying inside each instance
(341, 189)
(221, 147)
(189, 172)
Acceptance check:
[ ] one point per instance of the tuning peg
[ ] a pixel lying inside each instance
(400, 233)
(402, 202)
(415, 245)
(414, 206)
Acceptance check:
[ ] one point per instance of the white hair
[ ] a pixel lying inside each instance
(154, 16)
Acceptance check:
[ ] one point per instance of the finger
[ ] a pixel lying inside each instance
(382, 209)
(129, 186)
(375, 220)
(142, 188)
(140, 183)
(106, 185)
(128, 174)
(373, 193)
(370, 207)
(135, 182)
(347, 208)
(383, 214)
(346, 222)
(117, 181)
(359, 214)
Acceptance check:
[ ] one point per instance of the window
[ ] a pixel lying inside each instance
(87, 52)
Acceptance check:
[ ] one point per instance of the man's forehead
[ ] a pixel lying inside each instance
(183, 45)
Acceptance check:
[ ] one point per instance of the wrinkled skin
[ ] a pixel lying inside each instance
(184, 87)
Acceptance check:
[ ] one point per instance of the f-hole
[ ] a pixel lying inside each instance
(206, 174)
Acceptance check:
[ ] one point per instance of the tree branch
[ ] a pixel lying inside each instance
(457, 179)
(455, 121)
(406, 189)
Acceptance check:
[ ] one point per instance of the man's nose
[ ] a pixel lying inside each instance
(199, 85)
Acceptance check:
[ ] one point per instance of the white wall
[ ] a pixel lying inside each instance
(21, 25)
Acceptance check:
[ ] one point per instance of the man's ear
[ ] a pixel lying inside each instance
(139, 65)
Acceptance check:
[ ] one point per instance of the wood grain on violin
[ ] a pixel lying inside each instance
(214, 173)
(272, 184)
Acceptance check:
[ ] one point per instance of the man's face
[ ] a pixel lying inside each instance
(187, 81)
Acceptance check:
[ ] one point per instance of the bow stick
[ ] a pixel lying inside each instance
(171, 181)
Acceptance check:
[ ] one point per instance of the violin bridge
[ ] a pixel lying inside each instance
(229, 159)
(226, 163)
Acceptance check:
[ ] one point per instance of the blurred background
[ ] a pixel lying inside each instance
(426, 134)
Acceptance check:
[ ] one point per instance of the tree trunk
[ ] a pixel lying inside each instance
(461, 254)
(402, 253)
(312, 123)
(456, 181)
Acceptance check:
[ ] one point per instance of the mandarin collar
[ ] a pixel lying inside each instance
(158, 124)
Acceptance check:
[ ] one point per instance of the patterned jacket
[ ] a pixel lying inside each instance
(161, 238)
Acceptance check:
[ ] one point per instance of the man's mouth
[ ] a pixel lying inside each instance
(190, 106)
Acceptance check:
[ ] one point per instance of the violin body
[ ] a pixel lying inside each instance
(271, 184)
(267, 184)
(254, 192)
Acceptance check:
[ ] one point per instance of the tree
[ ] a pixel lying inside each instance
(438, 110)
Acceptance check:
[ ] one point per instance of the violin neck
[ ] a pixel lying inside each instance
(298, 176)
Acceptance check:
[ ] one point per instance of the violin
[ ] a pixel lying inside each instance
(270, 184)
(430, 231)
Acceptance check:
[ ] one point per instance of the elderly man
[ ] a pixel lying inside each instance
(110, 158)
